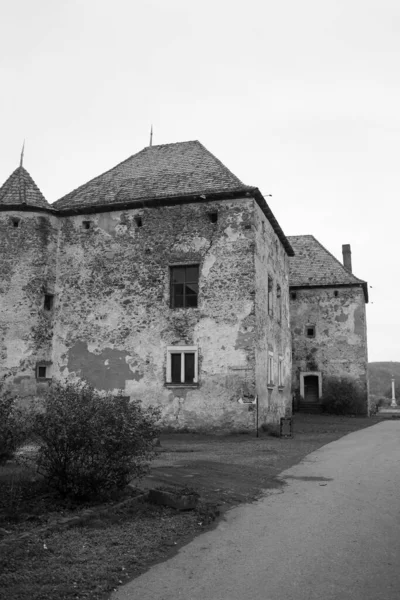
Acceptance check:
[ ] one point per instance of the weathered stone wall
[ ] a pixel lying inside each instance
(113, 315)
(273, 330)
(339, 348)
(28, 265)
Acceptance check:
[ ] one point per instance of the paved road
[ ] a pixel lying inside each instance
(332, 533)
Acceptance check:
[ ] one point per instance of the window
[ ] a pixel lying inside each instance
(280, 372)
(15, 221)
(213, 216)
(270, 312)
(86, 224)
(270, 368)
(139, 221)
(48, 301)
(310, 331)
(279, 302)
(336, 293)
(182, 365)
(184, 286)
(41, 372)
(293, 295)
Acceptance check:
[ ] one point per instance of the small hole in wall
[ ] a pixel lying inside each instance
(336, 293)
(293, 295)
(310, 331)
(86, 224)
(48, 301)
(15, 222)
(139, 221)
(213, 216)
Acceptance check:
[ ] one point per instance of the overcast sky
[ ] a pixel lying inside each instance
(301, 99)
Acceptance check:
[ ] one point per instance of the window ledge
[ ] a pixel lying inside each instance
(271, 386)
(182, 385)
(281, 388)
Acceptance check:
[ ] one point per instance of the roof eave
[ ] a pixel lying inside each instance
(362, 284)
(262, 203)
(156, 201)
(28, 208)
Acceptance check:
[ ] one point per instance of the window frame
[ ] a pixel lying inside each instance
(182, 350)
(280, 372)
(47, 374)
(279, 302)
(171, 284)
(270, 292)
(270, 369)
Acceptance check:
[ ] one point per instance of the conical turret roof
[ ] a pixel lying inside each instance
(20, 189)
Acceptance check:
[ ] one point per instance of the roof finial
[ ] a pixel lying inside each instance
(22, 155)
(151, 135)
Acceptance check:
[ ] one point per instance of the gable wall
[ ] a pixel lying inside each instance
(114, 322)
(339, 348)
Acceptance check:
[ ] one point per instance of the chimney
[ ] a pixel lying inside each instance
(346, 250)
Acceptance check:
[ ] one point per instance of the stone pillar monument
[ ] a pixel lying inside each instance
(393, 403)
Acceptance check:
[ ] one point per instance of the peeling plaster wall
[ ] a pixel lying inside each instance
(339, 348)
(114, 321)
(28, 266)
(273, 331)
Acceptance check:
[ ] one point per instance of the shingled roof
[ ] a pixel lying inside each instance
(165, 171)
(314, 266)
(21, 190)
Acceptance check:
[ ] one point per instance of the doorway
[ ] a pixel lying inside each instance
(311, 388)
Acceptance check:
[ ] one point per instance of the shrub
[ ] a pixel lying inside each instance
(90, 444)
(342, 396)
(12, 426)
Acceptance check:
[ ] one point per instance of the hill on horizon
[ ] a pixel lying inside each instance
(380, 376)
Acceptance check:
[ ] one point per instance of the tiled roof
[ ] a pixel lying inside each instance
(20, 189)
(313, 265)
(170, 170)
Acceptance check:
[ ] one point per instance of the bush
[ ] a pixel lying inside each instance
(12, 427)
(90, 444)
(342, 396)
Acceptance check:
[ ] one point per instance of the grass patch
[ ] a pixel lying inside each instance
(90, 561)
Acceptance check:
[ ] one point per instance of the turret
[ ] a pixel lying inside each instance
(28, 242)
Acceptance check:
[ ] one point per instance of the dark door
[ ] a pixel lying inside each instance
(311, 388)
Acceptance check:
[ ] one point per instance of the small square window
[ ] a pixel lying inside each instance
(48, 301)
(213, 216)
(139, 221)
(86, 224)
(184, 286)
(41, 372)
(310, 331)
(15, 221)
(336, 293)
(293, 295)
(182, 365)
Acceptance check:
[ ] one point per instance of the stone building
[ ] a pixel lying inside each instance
(328, 321)
(165, 277)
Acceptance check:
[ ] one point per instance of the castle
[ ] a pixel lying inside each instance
(169, 279)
